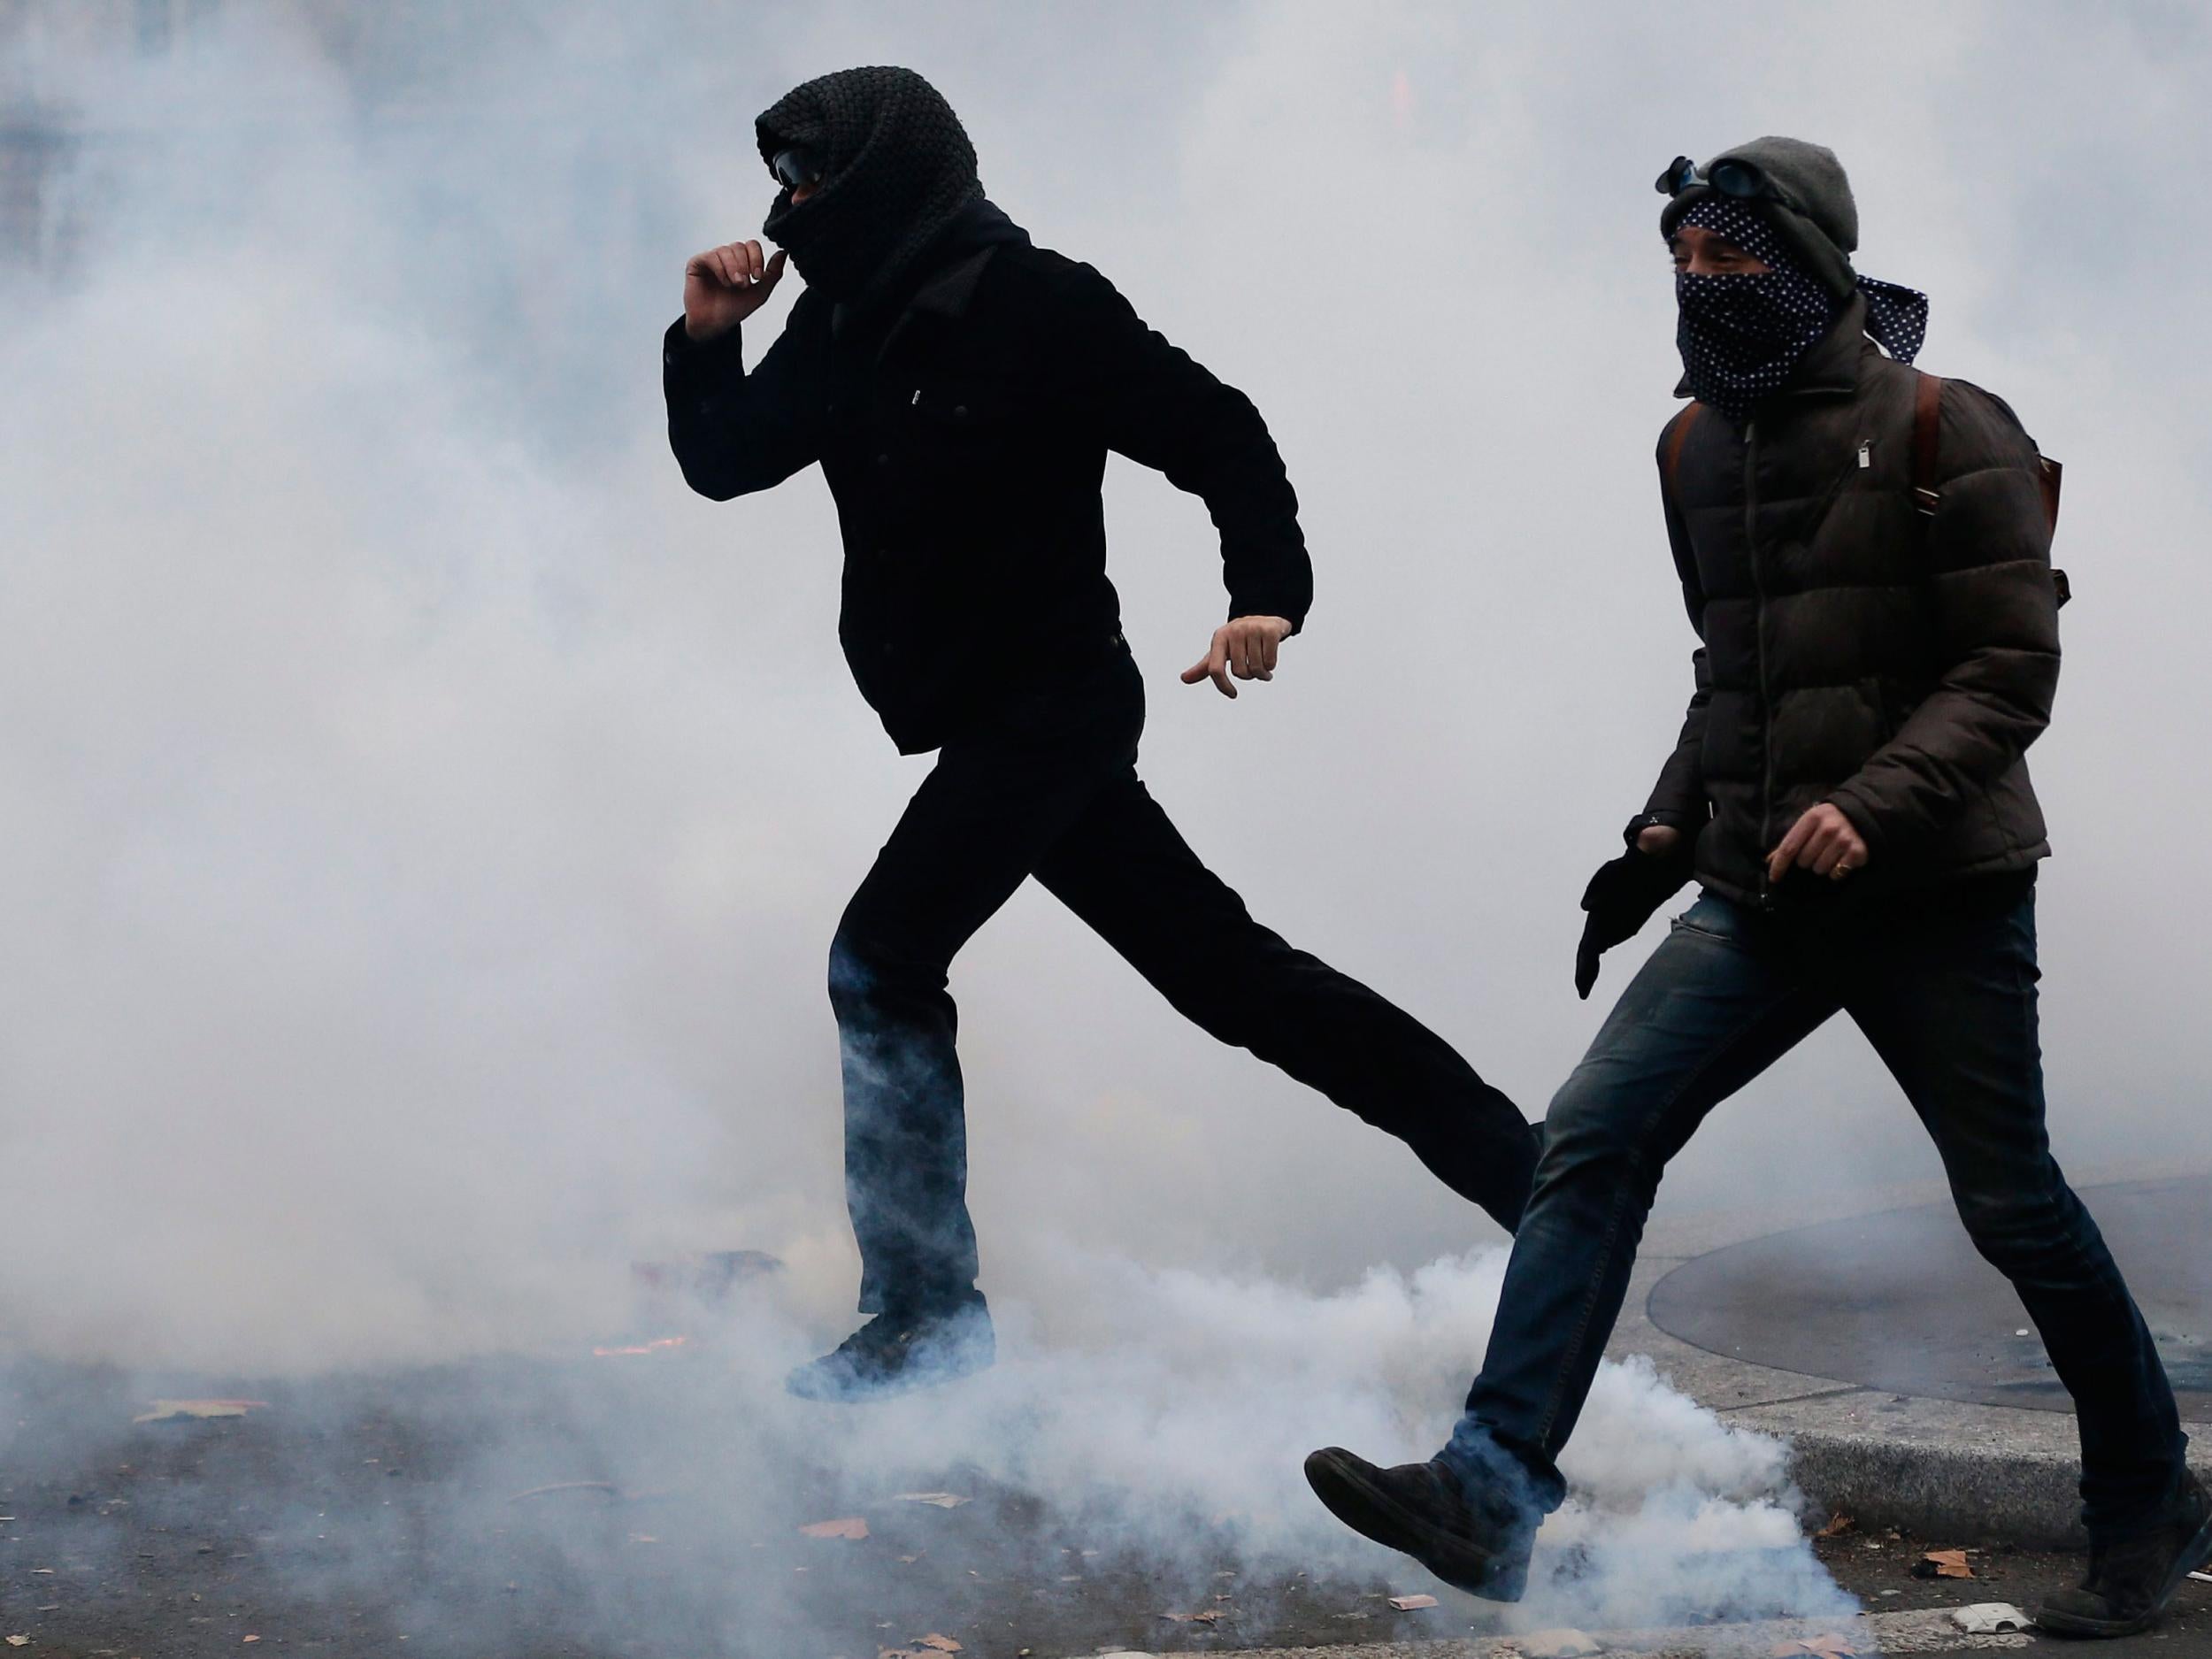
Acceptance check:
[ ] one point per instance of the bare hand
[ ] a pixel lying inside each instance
(1658, 841)
(726, 285)
(1822, 841)
(1245, 648)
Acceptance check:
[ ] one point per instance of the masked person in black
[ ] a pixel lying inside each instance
(960, 389)
(1865, 555)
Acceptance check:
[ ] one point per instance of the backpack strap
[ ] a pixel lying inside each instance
(1927, 418)
(1677, 434)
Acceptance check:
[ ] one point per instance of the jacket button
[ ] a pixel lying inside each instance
(960, 412)
(883, 460)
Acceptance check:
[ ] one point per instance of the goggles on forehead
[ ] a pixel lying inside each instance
(1740, 178)
(796, 166)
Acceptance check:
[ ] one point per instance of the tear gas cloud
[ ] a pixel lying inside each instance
(426, 821)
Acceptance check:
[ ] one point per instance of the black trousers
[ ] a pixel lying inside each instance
(1046, 786)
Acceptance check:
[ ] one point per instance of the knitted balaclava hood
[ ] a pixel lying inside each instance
(898, 167)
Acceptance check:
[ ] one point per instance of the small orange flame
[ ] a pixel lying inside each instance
(655, 1345)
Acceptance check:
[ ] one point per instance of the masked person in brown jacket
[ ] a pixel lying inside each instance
(1864, 553)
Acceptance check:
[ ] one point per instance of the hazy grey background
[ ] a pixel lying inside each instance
(424, 821)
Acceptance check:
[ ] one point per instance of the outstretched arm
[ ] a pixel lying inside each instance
(733, 433)
(1156, 404)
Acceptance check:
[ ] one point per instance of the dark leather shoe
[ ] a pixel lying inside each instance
(1422, 1509)
(895, 1353)
(2132, 1577)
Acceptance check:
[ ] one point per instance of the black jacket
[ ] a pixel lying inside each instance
(964, 438)
(1856, 651)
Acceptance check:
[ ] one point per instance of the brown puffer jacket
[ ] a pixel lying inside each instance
(1855, 650)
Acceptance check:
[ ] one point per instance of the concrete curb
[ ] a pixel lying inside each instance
(1936, 1468)
(1940, 1491)
(1931, 1630)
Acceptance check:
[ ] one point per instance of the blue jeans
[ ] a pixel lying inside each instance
(1943, 985)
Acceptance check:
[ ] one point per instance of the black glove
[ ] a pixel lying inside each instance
(1620, 899)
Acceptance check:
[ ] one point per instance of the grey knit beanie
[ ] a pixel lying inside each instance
(1812, 212)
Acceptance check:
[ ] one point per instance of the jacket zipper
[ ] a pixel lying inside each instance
(1759, 623)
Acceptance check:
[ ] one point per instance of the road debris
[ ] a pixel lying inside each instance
(1412, 1603)
(1942, 1563)
(1211, 1615)
(607, 1487)
(1990, 1618)
(1827, 1645)
(1564, 1643)
(2202, 1578)
(849, 1526)
(165, 1411)
(1838, 1524)
(19, 1641)
(940, 1500)
(940, 1644)
(658, 1345)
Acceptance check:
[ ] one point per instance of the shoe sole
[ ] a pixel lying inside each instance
(2191, 1559)
(1372, 1513)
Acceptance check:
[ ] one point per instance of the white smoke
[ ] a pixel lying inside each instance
(1194, 1398)
(424, 822)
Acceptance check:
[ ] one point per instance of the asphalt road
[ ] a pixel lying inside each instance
(334, 1521)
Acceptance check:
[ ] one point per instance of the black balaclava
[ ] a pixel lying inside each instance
(1743, 336)
(898, 168)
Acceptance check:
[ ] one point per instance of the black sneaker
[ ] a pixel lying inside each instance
(895, 1353)
(2132, 1578)
(1422, 1509)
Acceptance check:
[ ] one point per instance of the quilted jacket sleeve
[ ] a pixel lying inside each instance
(1678, 798)
(1994, 613)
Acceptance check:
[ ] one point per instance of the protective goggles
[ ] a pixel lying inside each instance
(1740, 178)
(796, 168)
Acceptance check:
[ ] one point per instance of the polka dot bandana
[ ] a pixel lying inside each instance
(1896, 316)
(1743, 336)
